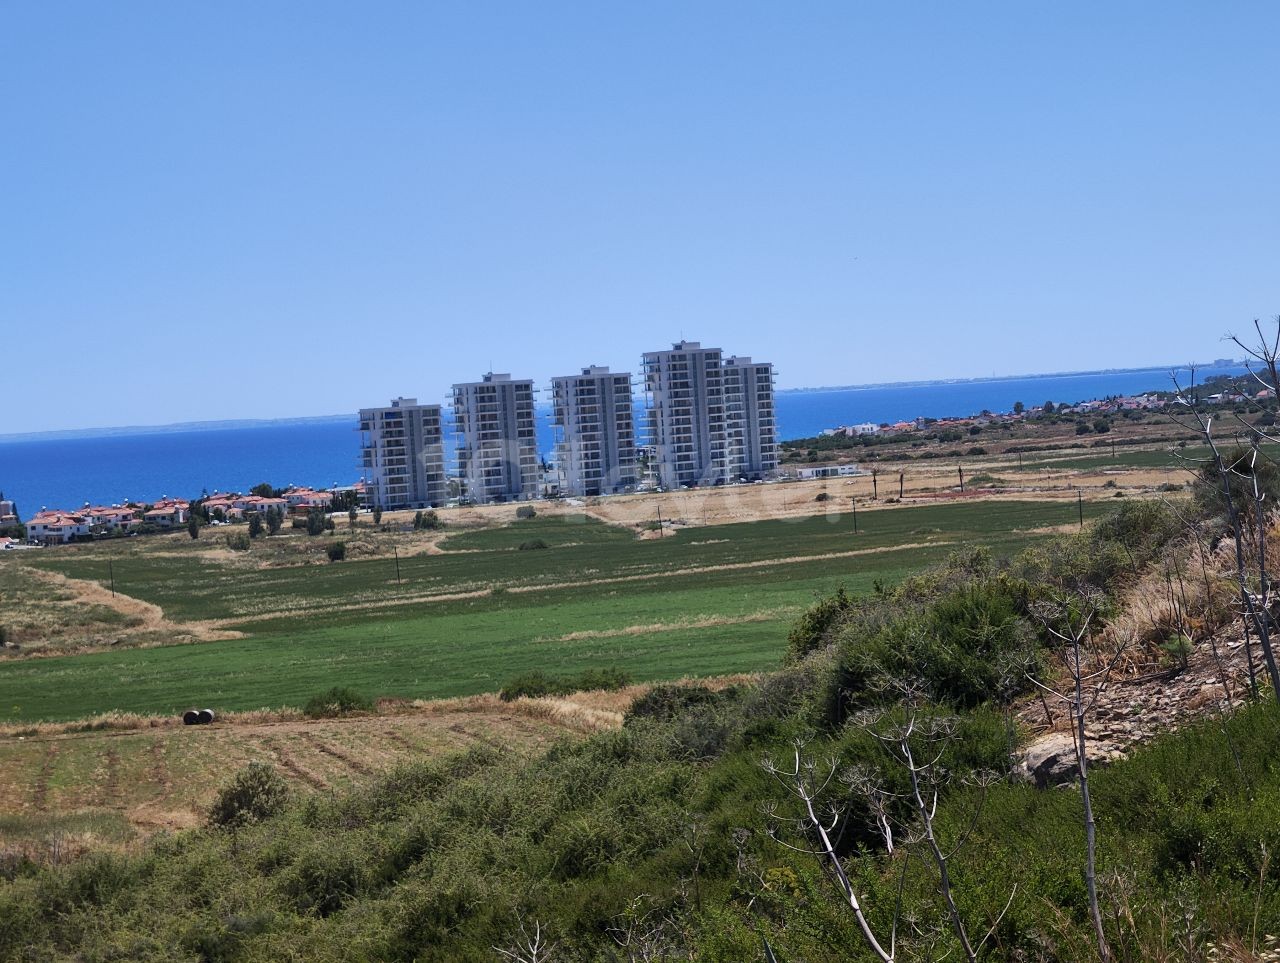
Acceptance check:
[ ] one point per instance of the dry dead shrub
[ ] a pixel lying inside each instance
(1190, 594)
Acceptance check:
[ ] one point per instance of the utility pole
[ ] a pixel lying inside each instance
(1080, 505)
(960, 469)
(901, 476)
(396, 549)
(111, 573)
(660, 533)
(854, 503)
(875, 491)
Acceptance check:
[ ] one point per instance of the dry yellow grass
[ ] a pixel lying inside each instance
(141, 774)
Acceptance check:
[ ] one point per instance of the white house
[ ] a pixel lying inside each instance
(56, 528)
(828, 471)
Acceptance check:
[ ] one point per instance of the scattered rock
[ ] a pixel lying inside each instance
(1051, 760)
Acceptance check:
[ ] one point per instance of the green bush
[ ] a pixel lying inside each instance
(238, 542)
(530, 685)
(526, 511)
(966, 647)
(533, 544)
(814, 628)
(256, 792)
(316, 521)
(667, 702)
(338, 701)
(323, 879)
(537, 684)
(336, 551)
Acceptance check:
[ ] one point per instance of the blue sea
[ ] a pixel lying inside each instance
(144, 465)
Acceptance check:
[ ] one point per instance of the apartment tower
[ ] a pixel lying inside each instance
(595, 434)
(686, 416)
(497, 448)
(751, 442)
(402, 455)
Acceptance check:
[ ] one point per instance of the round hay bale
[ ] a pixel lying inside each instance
(191, 717)
(206, 716)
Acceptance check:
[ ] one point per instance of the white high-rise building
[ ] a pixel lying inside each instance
(402, 455)
(750, 430)
(595, 445)
(497, 446)
(685, 390)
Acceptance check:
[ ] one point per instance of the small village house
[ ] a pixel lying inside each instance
(56, 527)
(167, 513)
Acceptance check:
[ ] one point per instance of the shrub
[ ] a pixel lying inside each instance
(238, 542)
(532, 544)
(609, 680)
(814, 628)
(315, 521)
(966, 643)
(256, 792)
(338, 701)
(530, 685)
(323, 879)
(666, 702)
(822, 497)
(526, 511)
(537, 684)
(336, 551)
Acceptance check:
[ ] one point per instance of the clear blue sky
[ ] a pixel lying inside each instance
(227, 210)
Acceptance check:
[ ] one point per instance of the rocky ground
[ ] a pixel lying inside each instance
(1133, 708)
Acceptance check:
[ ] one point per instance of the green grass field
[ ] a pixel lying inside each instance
(696, 602)
(1103, 458)
(1178, 460)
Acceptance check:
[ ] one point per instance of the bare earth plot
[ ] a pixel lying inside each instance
(111, 787)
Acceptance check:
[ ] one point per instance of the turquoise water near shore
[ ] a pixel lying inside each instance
(65, 472)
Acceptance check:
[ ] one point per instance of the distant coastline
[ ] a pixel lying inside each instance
(996, 379)
(66, 434)
(235, 424)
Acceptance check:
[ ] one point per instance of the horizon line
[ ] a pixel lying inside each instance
(231, 424)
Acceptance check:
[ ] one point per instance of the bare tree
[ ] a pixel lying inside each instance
(1255, 599)
(807, 782)
(526, 947)
(646, 933)
(915, 739)
(1069, 620)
